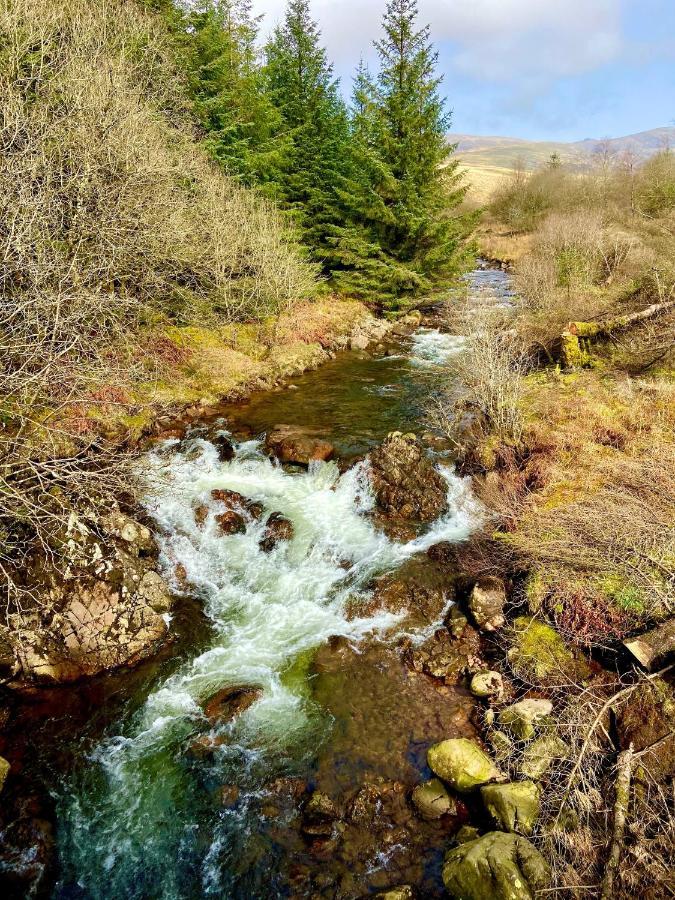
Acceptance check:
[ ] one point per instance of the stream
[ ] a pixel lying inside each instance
(154, 798)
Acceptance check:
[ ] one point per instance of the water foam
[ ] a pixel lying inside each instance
(431, 347)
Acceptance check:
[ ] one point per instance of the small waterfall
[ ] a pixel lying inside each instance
(141, 820)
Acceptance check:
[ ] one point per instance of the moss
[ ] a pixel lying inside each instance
(626, 596)
(539, 655)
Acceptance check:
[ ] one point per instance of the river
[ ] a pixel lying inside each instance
(154, 799)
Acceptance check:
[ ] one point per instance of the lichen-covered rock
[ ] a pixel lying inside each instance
(539, 655)
(487, 601)
(298, 446)
(497, 866)
(522, 718)
(432, 800)
(405, 482)
(278, 528)
(540, 755)
(487, 684)
(462, 764)
(513, 806)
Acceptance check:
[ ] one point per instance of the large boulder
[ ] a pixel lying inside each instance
(497, 866)
(462, 764)
(298, 446)
(513, 806)
(405, 481)
(523, 718)
(487, 601)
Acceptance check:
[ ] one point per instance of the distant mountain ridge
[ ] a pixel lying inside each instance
(489, 151)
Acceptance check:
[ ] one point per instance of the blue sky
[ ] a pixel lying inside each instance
(537, 69)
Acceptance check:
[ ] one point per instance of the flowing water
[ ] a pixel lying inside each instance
(165, 802)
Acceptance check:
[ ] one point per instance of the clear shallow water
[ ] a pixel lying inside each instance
(141, 814)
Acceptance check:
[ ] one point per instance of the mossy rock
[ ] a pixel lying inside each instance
(523, 718)
(4, 771)
(462, 764)
(538, 655)
(513, 806)
(540, 755)
(497, 866)
(432, 800)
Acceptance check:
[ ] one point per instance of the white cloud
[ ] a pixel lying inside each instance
(495, 40)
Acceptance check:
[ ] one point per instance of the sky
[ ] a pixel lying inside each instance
(560, 70)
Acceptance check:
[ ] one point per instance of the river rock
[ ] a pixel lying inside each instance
(487, 601)
(462, 764)
(278, 528)
(416, 588)
(319, 816)
(523, 718)
(497, 866)
(405, 482)
(4, 771)
(540, 755)
(224, 446)
(298, 446)
(201, 514)
(445, 657)
(230, 702)
(487, 684)
(432, 800)
(231, 522)
(513, 806)
(236, 502)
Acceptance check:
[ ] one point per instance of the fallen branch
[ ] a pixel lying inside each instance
(621, 802)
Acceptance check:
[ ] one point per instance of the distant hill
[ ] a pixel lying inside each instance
(488, 159)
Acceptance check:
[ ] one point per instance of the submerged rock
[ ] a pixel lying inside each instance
(513, 806)
(298, 446)
(278, 528)
(487, 601)
(405, 482)
(432, 800)
(497, 866)
(319, 816)
(523, 718)
(445, 657)
(462, 764)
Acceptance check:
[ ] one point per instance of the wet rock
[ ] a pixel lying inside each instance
(201, 514)
(298, 446)
(319, 816)
(523, 718)
(224, 446)
(4, 771)
(539, 655)
(153, 591)
(230, 702)
(27, 852)
(541, 754)
(405, 482)
(365, 806)
(487, 601)
(231, 522)
(648, 717)
(462, 764)
(229, 795)
(237, 502)
(278, 528)
(466, 833)
(487, 684)
(432, 800)
(416, 588)
(497, 866)
(513, 806)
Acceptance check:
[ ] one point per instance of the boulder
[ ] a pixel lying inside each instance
(432, 800)
(405, 482)
(4, 771)
(134, 537)
(522, 718)
(231, 522)
(513, 806)
(153, 591)
(497, 866)
(278, 528)
(539, 655)
(540, 755)
(298, 446)
(462, 764)
(487, 684)
(487, 601)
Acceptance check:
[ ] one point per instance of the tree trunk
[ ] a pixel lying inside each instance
(654, 646)
(622, 799)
